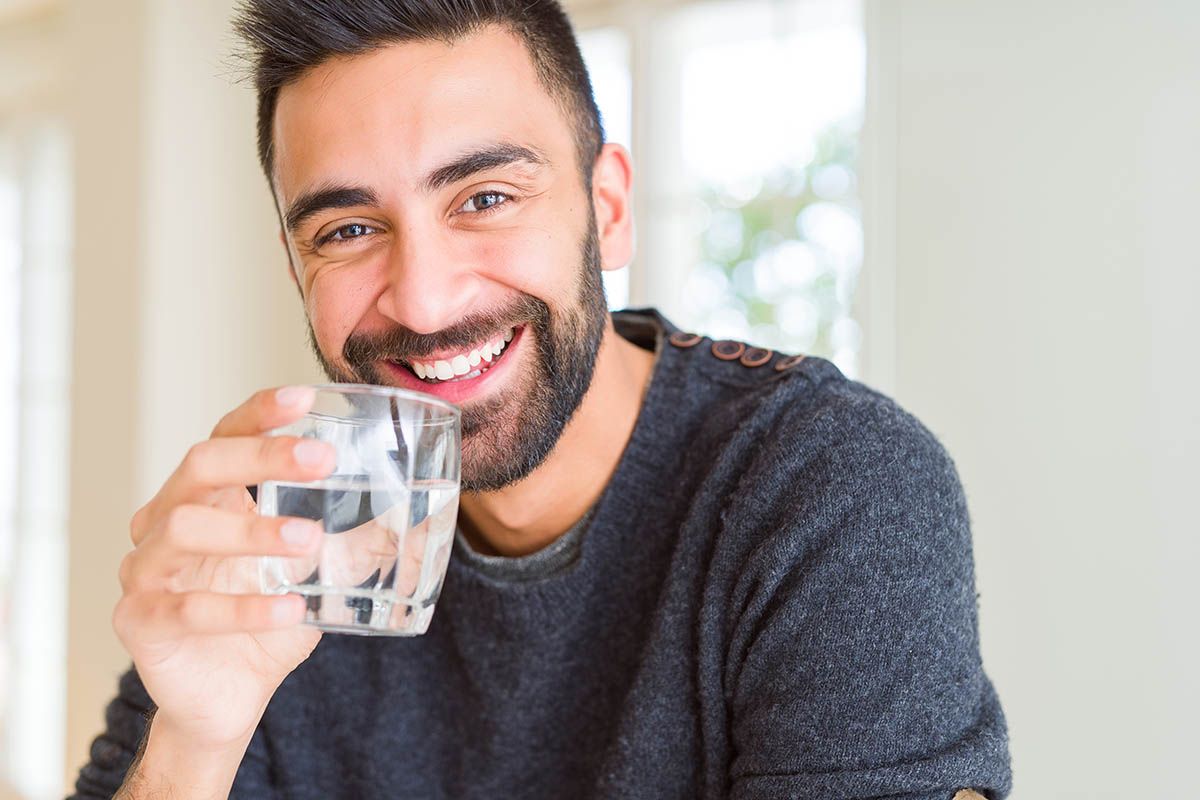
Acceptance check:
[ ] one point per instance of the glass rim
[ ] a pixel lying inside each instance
(388, 391)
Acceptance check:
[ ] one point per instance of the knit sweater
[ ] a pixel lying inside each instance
(772, 598)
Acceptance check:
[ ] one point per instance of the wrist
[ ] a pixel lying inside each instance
(190, 769)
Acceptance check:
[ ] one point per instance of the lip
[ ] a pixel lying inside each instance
(460, 392)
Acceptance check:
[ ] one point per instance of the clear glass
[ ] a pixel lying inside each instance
(388, 510)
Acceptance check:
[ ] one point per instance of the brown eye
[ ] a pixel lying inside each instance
(355, 230)
(483, 202)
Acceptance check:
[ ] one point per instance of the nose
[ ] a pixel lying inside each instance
(430, 286)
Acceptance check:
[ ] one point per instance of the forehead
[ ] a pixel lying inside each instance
(399, 111)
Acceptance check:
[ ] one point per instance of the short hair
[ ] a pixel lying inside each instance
(284, 39)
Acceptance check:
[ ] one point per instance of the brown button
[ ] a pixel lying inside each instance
(728, 350)
(788, 363)
(681, 339)
(756, 357)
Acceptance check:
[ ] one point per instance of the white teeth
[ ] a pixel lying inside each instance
(463, 364)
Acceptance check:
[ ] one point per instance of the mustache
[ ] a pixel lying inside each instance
(404, 344)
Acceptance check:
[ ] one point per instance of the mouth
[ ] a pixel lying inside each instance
(463, 366)
(459, 376)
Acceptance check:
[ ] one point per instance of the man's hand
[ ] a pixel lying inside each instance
(211, 650)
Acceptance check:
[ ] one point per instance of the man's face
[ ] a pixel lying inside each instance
(443, 240)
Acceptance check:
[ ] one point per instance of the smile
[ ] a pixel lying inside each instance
(462, 366)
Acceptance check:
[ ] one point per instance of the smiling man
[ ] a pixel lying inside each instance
(684, 568)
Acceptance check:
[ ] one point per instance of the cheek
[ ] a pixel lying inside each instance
(336, 309)
(532, 261)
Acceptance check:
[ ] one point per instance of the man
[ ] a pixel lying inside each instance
(684, 568)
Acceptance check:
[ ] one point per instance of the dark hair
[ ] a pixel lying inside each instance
(284, 39)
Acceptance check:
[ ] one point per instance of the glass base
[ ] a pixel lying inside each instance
(361, 613)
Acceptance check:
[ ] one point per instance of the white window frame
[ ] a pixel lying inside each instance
(32, 730)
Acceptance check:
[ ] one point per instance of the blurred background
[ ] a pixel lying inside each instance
(982, 209)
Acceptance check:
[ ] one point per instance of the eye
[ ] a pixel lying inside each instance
(484, 202)
(354, 230)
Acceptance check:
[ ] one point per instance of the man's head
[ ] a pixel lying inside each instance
(443, 186)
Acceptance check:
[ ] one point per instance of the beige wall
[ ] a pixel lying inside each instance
(183, 307)
(1045, 182)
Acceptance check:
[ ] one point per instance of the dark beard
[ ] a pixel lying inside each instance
(508, 434)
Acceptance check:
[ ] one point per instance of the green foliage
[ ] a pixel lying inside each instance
(770, 262)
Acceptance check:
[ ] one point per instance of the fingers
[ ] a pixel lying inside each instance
(243, 460)
(235, 462)
(266, 410)
(189, 532)
(149, 617)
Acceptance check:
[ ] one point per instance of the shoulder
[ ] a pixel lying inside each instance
(801, 400)
(780, 440)
(798, 416)
(811, 468)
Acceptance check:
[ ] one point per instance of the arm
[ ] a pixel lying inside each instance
(133, 758)
(167, 766)
(853, 669)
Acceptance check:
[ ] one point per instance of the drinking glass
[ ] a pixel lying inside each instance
(388, 510)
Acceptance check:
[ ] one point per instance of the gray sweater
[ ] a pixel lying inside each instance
(773, 598)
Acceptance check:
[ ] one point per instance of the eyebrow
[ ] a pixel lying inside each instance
(497, 155)
(330, 196)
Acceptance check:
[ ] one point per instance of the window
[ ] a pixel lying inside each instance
(35, 307)
(34, 417)
(745, 123)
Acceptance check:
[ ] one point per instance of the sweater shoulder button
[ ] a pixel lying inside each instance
(756, 357)
(684, 340)
(728, 350)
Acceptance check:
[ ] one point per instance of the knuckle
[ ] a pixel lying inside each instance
(120, 618)
(125, 572)
(223, 424)
(128, 616)
(137, 523)
(195, 462)
(260, 407)
(263, 401)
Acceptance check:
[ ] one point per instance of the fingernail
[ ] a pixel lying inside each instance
(297, 533)
(310, 454)
(293, 395)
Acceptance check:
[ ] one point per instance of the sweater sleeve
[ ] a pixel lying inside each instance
(125, 721)
(854, 669)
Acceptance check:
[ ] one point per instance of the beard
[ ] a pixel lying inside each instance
(508, 433)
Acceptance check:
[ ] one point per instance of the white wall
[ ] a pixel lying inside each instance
(1045, 184)
(182, 304)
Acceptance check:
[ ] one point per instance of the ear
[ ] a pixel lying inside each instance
(612, 187)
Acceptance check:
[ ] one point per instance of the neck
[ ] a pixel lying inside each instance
(529, 515)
